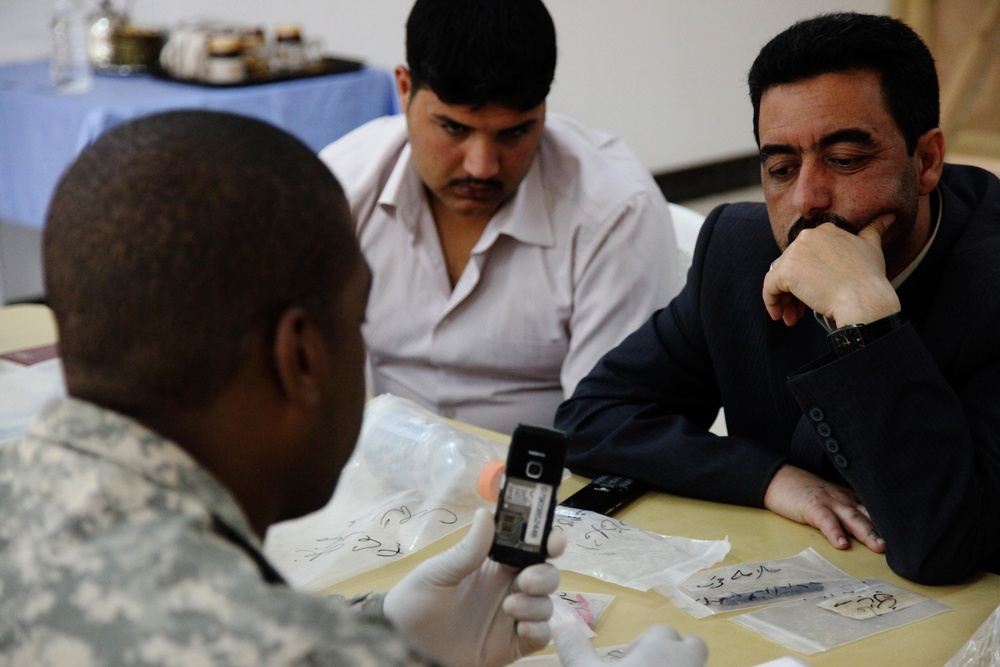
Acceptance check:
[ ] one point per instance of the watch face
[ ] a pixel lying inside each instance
(847, 339)
(855, 336)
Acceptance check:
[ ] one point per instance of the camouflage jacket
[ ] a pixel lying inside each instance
(117, 548)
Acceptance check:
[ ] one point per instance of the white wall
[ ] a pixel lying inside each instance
(666, 75)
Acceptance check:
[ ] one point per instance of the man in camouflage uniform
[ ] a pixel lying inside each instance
(209, 292)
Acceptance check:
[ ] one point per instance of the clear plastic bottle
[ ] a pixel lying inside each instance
(102, 26)
(406, 446)
(70, 65)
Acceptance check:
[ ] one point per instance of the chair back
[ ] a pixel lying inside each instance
(687, 224)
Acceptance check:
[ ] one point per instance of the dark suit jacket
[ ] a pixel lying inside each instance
(911, 422)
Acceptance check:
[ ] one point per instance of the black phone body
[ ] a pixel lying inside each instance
(528, 498)
(606, 494)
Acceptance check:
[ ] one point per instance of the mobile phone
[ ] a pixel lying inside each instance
(528, 498)
(606, 494)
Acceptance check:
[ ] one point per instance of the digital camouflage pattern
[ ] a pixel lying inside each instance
(117, 548)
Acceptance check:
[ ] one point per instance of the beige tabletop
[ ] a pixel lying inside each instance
(25, 325)
(755, 535)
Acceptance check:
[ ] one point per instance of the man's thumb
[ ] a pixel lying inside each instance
(465, 557)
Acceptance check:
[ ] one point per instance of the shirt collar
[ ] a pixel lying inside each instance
(525, 217)
(402, 188)
(908, 271)
(113, 437)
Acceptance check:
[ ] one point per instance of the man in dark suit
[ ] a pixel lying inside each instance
(876, 415)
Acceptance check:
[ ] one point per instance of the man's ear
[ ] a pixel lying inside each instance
(301, 357)
(404, 86)
(930, 159)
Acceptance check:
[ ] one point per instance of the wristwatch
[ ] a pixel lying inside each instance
(853, 337)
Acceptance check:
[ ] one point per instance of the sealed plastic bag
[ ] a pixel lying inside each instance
(23, 391)
(819, 624)
(747, 585)
(588, 606)
(391, 500)
(620, 553)
(983, 647)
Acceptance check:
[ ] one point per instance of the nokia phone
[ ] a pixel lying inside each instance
(528, 498)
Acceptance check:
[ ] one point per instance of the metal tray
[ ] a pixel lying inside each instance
(323, 67)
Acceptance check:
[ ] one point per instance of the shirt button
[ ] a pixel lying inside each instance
(824, 430)
(840, 461)
(831, 445)
(815, 414)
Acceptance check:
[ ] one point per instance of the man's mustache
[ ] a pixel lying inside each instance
(819, 219)
(491, 183)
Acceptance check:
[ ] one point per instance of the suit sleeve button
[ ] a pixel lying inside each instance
(824, 430)
(815, 414)
(840, 461)
(831, 445)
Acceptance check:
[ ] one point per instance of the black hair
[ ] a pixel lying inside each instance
(173, 238)
(475, 52)
(844, 42)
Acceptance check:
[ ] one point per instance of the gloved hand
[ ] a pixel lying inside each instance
(659, 646)
(461, 608)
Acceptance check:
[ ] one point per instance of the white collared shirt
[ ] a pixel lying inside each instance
(580, 257)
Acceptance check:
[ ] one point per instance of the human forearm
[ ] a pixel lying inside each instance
(643, 414)
(922, 457)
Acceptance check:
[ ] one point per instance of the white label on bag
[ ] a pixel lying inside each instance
(872, 603)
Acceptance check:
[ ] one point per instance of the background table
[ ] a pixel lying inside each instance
(755, 535)
(42, 130)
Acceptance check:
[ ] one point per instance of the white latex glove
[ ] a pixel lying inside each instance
(659, 646)
(461, 608)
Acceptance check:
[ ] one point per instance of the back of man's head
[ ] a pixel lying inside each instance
(173, 240)
(475, 52)
(844, 42)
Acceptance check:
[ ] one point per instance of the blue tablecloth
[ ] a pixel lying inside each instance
(42, 130)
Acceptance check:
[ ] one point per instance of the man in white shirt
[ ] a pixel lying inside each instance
(509, 249)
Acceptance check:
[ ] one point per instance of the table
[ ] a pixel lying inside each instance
(26, 325)
(755, 535)
(42, 130)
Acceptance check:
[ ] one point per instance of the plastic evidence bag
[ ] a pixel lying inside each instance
(369, 523)
(983, 647)
(819, 624)
(748, 585)
(588, 607)
(620, 553)
(23, 392)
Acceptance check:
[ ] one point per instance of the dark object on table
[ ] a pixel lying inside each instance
(134, 50)
(606, 494)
